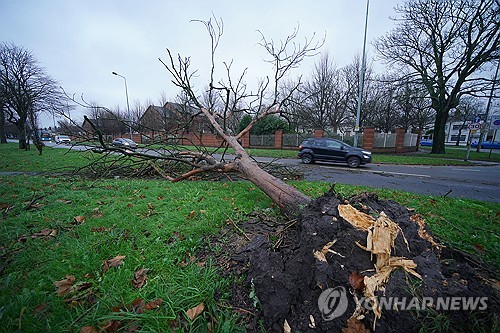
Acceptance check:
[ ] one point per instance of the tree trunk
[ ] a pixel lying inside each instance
(21, 134)
(288, 198)
(3, 137)
(439, 136)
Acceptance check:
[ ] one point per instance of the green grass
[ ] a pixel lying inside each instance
(158, 226)
(454, 152)
(51, 160)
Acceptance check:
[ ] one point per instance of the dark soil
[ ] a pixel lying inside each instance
(281, 279)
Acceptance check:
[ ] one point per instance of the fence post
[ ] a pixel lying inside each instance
(245, 140)
(400, 139)
(319, 133)
(368, 138)
(278, 139)
(418, 131)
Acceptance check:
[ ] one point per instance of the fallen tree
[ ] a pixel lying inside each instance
(284, 57)
(223, 102)
(366, 246)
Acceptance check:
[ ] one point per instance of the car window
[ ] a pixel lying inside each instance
(333, 144)
(320, 143)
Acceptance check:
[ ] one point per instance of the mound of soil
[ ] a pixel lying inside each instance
(284, 280)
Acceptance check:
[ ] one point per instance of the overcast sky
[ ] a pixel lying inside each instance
(79, 43)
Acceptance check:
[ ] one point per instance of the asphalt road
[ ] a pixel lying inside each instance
(479, 182)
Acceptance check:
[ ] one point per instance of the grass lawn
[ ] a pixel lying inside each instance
(92, 238)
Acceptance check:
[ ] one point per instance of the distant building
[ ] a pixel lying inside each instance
(456, 130)
(109, 128)
(172, 119)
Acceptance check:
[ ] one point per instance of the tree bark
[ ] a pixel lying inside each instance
(21, 134)
(3, 137)
(439, 136)
(288, 198)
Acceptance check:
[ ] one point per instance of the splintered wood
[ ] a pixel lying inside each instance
(421, 229)
(381, 235)
(359, 220)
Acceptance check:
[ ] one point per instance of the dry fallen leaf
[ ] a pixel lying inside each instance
(100, 229)
(138, 305)
(195, 312)
(153, 304)
(88, 329)
(65, 286)
(191, 214)
(139, 278)
(40, 308)
(96, 213)
(116, 261)
(355, 326)
(45, 233)
(79, 219)
(356, 281)
(63, 201)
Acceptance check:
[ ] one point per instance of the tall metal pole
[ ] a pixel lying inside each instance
(361, 80)
(488, 106)
(128, 107)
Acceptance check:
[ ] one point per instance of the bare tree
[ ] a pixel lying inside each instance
(27, 90)
(446, 45)
(324, 97)
(465, 111)
(267, 100)
(351, 73)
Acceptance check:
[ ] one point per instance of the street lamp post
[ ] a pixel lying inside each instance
(361, 82)
(128, 107)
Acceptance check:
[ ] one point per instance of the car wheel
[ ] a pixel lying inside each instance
(353, 161)
(307, 158)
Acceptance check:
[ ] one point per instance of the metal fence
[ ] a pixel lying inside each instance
(349, 139)
(262, 140)
(410, 140)
(295, 139)
(384, 140)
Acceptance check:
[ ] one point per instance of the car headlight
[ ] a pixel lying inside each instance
(366, 152)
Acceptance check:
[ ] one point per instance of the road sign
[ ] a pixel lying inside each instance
(477, 119)
(495, 124)
(474, 126)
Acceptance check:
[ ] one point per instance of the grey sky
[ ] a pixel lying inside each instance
(80, 43)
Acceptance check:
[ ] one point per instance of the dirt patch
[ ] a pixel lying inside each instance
(283, 280)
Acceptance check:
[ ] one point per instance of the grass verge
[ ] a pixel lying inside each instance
(55, 228)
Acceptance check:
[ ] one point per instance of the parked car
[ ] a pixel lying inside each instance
(487, 144)
(426, 142)
(62, 139)
(124, 143)
(331, 150)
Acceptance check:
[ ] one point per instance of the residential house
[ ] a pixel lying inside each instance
(110, 128)
(172, 119)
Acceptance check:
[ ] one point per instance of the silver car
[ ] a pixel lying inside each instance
(124, 143)
(62, 139)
